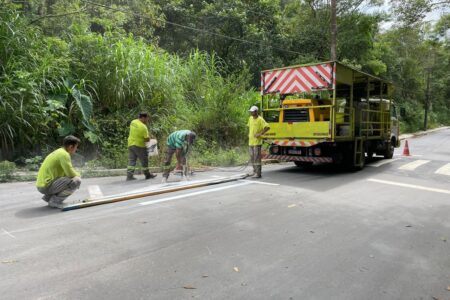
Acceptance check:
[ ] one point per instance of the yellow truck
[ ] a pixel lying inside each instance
(328, 113)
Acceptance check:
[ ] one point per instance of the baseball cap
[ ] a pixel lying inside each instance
(253, 108)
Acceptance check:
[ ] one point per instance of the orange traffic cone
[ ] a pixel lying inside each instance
(406, 149)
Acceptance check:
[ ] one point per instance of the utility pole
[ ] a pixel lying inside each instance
(427, 100)
(333, 30)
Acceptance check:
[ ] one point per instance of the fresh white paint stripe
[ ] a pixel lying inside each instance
(412, 186)
(259, 182)
(382, 162)
(195, 193)
(412, 155)
(445, 170)
(414, 164)
(94, 191)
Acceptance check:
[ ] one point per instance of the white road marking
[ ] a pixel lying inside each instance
(260, 182)
(445, 170)
(412, 155)
(414, 164)
(7, 233)
(195, 193)
(383, 162)
(412, 186)
(94, 191)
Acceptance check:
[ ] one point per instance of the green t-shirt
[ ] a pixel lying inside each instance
(177, 139)
(57, 164)
(138, 133)
(255, 126)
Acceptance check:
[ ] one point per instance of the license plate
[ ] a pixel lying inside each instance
(294, 151)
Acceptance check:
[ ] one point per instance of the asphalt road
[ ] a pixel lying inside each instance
(316, 233)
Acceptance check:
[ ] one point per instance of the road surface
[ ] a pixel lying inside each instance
(316, 233)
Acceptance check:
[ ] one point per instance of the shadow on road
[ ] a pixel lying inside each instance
(36, 212)
(321, 177)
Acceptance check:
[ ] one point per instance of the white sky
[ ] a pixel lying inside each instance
(386, 7)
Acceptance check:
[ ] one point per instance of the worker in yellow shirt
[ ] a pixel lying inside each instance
(56, 178)
(257, 127)
(137, 146)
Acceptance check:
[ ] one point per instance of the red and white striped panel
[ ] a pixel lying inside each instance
(301, 143)
(300, 158)
(297, 80)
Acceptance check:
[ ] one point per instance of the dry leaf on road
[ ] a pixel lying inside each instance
(189, 287)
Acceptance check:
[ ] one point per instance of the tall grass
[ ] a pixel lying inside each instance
(93, 85)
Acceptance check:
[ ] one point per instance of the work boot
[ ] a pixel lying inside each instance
(256, 176)
(55, 204)
(130, 177)
(149, 175)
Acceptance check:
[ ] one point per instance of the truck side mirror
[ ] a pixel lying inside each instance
(402, 112)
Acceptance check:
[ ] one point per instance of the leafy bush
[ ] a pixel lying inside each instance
(32, 164)
(7, 169)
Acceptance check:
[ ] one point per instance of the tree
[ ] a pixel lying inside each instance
(411, 12)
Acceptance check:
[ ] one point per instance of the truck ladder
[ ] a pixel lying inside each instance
(358, 158)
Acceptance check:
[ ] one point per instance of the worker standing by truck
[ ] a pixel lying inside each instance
(257, 127)
(56, 178)
(178, 142)
(137, 139)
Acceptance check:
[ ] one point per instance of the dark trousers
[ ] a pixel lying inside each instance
(255, 158)
(168, 158)
(135, 153)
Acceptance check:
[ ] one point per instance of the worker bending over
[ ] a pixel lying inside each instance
(56, 178)
(136, 146)
(178, 142)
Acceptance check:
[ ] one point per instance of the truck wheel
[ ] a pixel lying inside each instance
(363, 163)
(389, 151)
(304, 164)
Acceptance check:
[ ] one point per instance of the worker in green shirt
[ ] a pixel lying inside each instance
(257, 127)
(178, 142)
(137, 146)
(56, 178)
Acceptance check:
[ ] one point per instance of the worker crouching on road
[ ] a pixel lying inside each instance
(56, 178)
(257, 127)
(178, 142)
(136, 146)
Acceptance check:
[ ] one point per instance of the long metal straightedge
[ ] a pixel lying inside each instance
(122, 197)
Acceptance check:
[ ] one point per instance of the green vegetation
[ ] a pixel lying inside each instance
(87, 68)
(7, 169)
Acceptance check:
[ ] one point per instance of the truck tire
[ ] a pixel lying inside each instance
(389, 151)
(303, 164)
